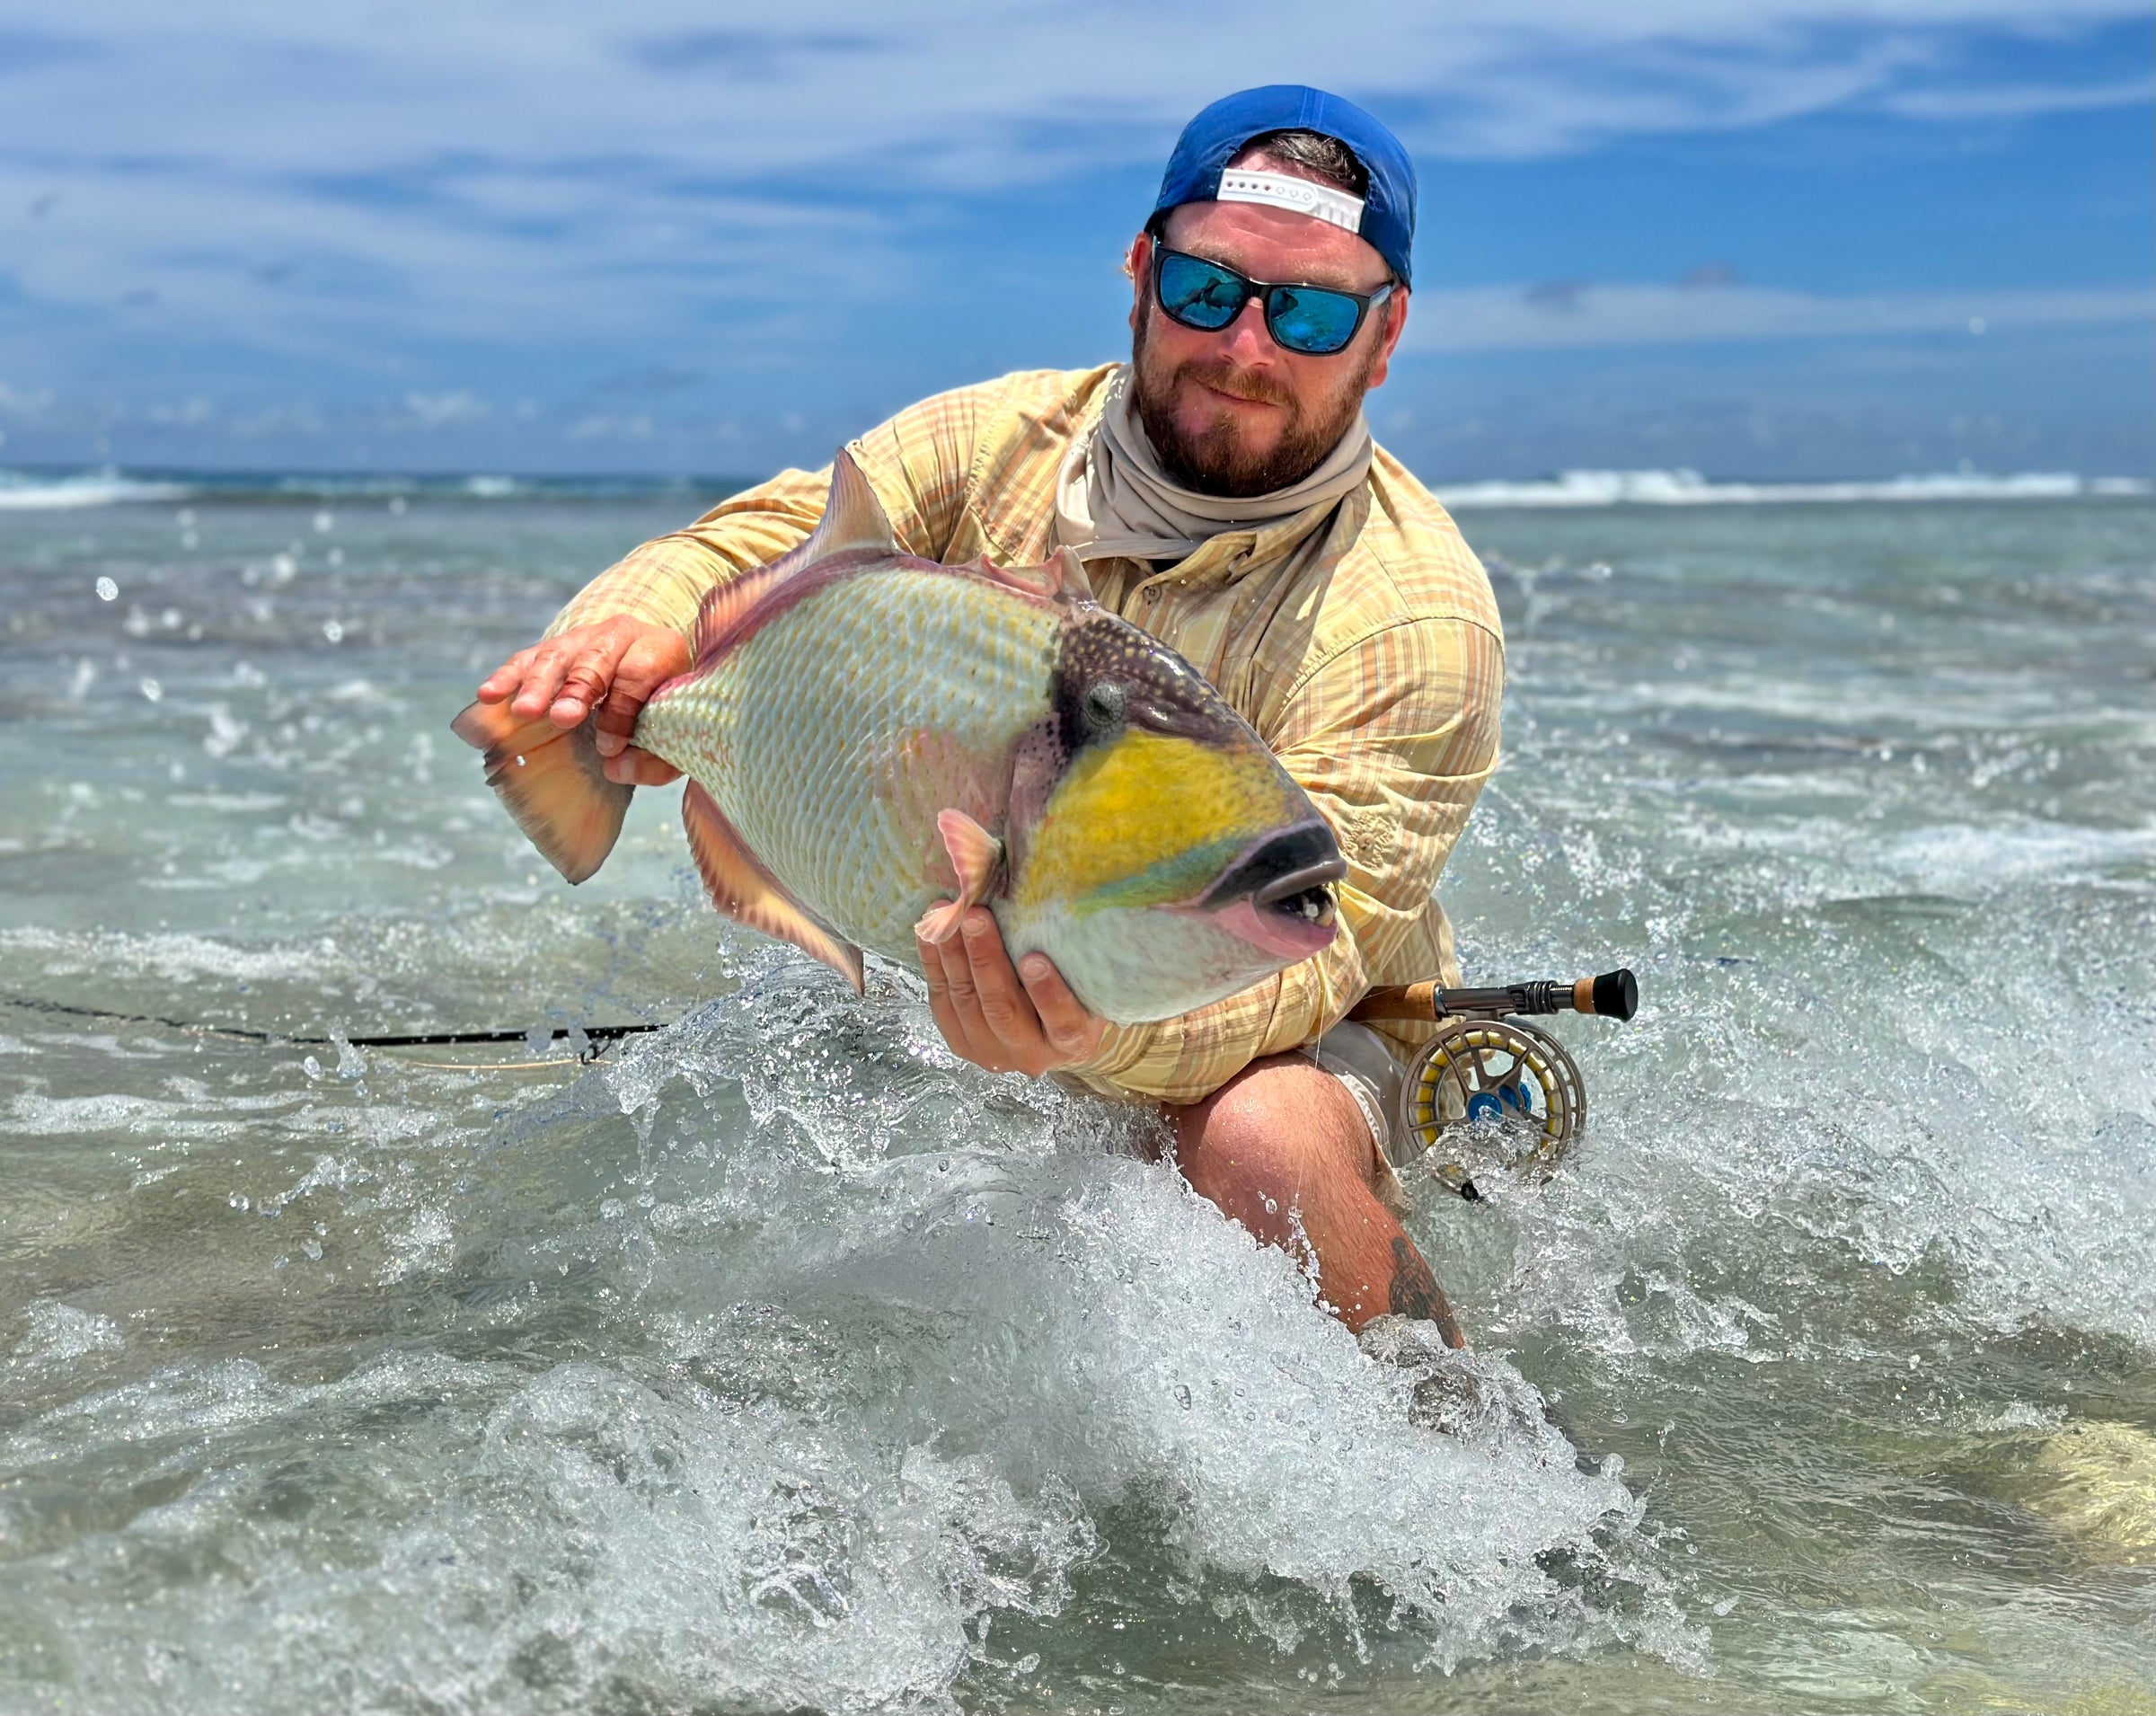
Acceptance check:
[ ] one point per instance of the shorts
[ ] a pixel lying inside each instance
(1358, 1056)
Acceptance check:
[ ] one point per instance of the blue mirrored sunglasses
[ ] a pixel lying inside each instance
(1316, 321)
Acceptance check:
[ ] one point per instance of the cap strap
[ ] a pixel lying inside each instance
(1321, 202)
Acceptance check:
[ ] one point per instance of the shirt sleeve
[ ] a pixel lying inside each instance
(917, 463)
(1393, 739)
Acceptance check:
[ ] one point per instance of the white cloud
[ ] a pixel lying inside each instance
(330, 190)
(441, 410)
(25, 402)
(636, 426)
(1587, 315)
(2016, 100)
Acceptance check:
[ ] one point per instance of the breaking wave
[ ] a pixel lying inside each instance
(1683, 487)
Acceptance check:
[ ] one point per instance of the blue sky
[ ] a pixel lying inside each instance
(1779, 238)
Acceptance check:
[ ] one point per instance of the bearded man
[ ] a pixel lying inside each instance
(1224, 492)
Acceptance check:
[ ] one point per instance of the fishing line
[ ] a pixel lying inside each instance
(600, 1036)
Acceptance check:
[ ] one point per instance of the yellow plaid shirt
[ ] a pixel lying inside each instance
(1361, 640)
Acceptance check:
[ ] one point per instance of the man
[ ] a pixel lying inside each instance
(1226, 494)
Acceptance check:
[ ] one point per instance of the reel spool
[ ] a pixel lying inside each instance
(1490, 1092)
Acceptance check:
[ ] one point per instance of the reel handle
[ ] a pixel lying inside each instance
(1614, 995)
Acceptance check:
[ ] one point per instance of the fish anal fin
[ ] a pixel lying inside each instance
(554, 783)
(977, 857)
(749, 894)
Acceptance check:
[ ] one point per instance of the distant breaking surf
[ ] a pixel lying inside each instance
(1682, 488)
(46, 490)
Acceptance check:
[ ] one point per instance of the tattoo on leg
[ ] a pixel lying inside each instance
(1414, 1291)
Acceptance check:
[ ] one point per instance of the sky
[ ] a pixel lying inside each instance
(1758, 238)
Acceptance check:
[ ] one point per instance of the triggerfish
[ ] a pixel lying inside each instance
(875, 743)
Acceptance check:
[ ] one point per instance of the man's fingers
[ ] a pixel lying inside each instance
(586, 679)
(1003, 1003)
(951, 1000)
(542, 679)
(502, 683)
(1063, 1016)
(651, 659)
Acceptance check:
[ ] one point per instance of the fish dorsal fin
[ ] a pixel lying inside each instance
(1061, 578)
(853, 518)
(853, 521)
(749, 894)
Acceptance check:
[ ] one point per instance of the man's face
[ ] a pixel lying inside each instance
(1232, 413)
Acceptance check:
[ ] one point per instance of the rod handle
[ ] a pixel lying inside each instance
(1614, 995)
(1399, 1001)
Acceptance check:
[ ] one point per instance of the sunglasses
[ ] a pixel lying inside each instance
(1316, 321)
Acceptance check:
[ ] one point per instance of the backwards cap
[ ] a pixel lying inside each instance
(1384, 217)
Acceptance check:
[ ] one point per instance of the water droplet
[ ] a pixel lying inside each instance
(334, 630)
(106, 590)
(151, 689)
(311, 1067)
(325, 522)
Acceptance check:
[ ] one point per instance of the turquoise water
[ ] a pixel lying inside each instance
(777, 1362)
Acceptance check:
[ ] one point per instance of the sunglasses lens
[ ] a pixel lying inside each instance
(1310, 319)
(1199, 294)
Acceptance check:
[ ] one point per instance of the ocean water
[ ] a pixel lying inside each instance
(776, 1362)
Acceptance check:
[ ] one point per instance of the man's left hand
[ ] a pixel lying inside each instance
(1006, 1018)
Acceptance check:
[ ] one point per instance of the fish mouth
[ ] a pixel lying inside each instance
(1278, 894)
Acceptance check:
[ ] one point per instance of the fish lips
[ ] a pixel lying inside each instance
(1278, 894)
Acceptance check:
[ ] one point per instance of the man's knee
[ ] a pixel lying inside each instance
(1279, 1128)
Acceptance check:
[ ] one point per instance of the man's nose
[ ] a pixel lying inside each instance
(1250, 342)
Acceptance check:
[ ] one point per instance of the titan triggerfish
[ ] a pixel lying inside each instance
(875, 742)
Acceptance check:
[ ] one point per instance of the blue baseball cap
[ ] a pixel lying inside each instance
(1385, 217)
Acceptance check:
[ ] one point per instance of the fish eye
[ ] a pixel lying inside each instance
(1104, 705)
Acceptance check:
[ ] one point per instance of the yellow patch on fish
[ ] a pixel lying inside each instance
(1140, 805)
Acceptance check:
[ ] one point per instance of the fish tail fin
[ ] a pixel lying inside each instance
(977, 856)
(552, 783)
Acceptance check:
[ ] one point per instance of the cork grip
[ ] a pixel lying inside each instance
(1410, 1001)
(1614, 995)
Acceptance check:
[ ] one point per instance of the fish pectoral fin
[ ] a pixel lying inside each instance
(977, 856)
(553, 783)
(749, 894)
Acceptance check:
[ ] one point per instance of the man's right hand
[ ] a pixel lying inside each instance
(610, 666)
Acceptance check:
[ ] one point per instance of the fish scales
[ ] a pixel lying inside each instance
(919, 674)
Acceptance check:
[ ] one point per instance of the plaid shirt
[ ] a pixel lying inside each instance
(1361, 640)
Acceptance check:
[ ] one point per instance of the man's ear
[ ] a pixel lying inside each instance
(1396, 323)
(1137, 263)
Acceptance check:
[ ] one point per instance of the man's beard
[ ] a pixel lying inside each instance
(1216, 462)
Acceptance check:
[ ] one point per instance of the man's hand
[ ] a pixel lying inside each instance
(611, 666)
(1009, 1020)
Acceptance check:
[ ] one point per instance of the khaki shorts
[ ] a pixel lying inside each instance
(1358, 1056)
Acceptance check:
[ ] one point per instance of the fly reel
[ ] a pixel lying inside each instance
(1490, 1092)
